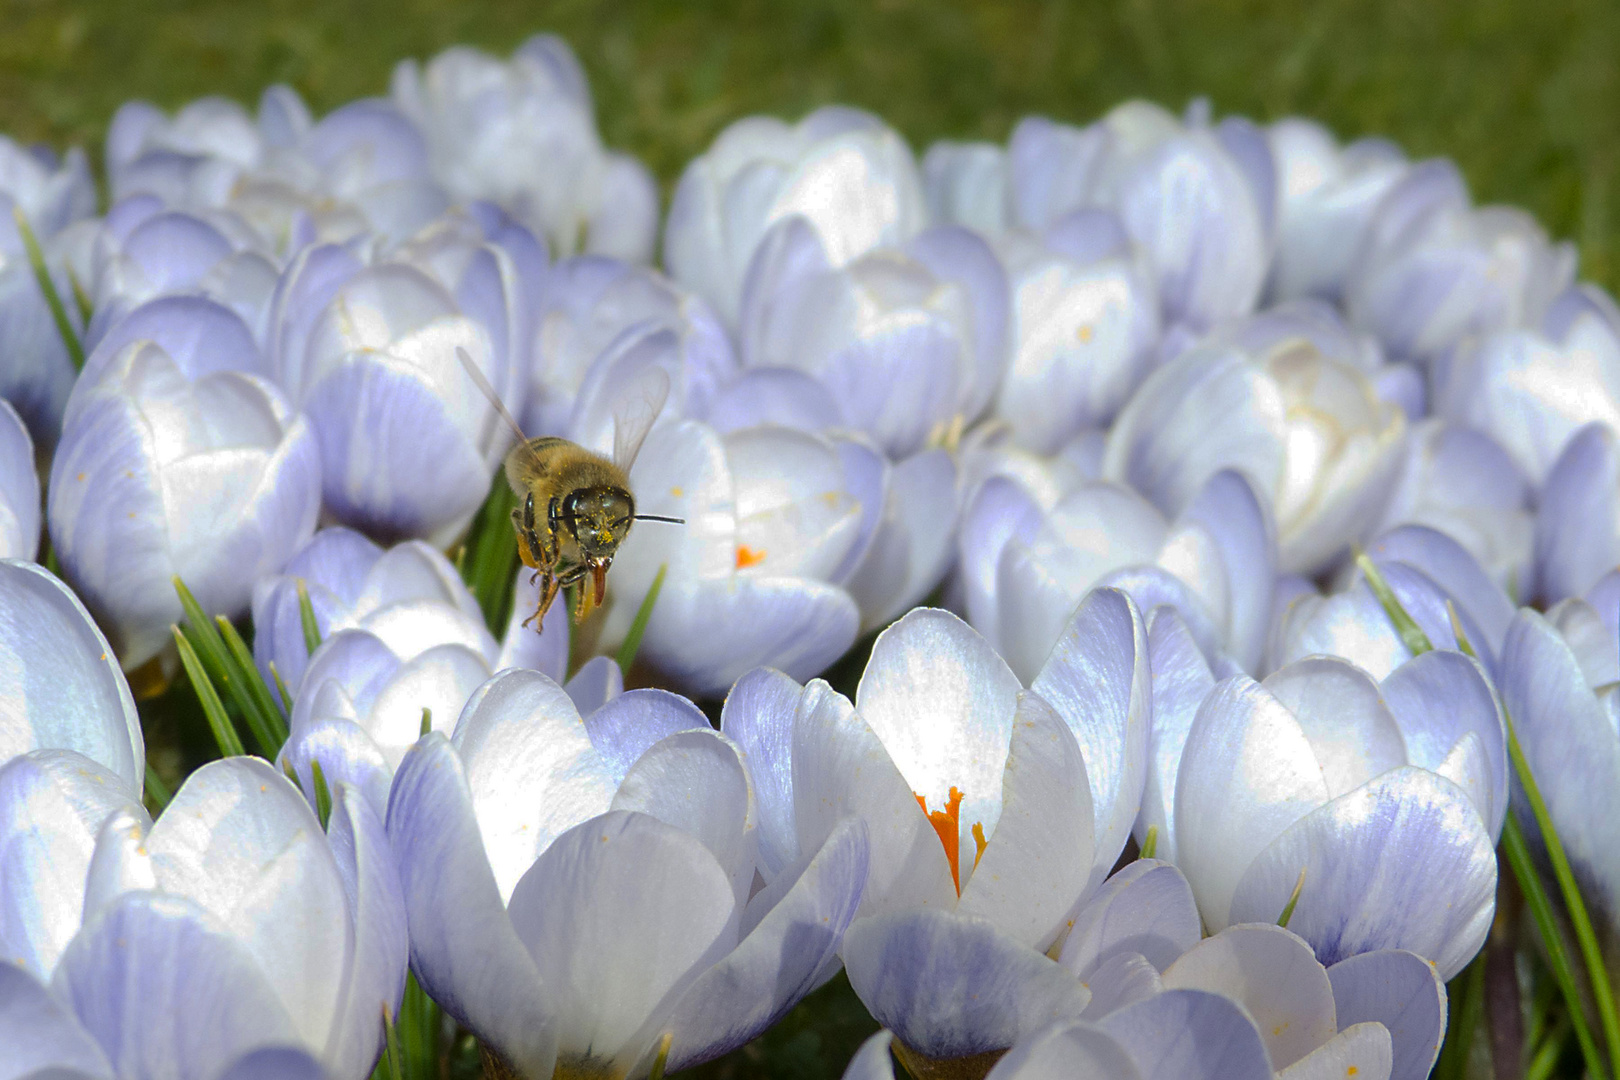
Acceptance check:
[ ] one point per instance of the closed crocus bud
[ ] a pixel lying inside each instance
(20, 509)
(143, 251)
(966, 184)
(213, 479)
(408, 441)
(1197, 200)
(1083, 322)
(1429, 575)
(983, 799)
(1326, 195)
(521, 133)
(1310, 432)
(594, 306)
(1319, 781)
(1433, 270)
(236, 924)
(1577, 529)
(909, 343)
(846, 172)
(190, 159)
(71, 756)
(610, 911)
(36, 372)
(1558, 678)
(1531, 389)
(1461, 482)
(1024, 567)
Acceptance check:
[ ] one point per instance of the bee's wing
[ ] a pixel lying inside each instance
(643, 399)
(489, 392)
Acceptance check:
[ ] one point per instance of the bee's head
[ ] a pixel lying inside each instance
(599, 518)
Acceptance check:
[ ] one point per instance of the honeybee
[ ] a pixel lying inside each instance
(576, 507)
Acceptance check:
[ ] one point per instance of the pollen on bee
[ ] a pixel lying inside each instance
(747, 556)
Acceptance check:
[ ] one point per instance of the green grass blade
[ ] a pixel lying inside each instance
(281, 689)
(489, 559)
(1545, 1058)
(638, 627)
(1597, 971)
(157, 792)
(1467, 999)
(230, 745)
(204, 636)
(306, 618)
(81, 299)
(1517, 852)
(1411, 634)
(53, 299)
(275, 720)
(1150, 846)
(323, 793)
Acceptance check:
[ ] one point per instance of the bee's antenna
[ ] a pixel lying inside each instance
(658, 517)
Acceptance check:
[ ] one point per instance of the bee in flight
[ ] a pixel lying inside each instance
(576, 505)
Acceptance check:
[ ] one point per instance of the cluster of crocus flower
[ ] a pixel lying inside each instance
(1223, 510)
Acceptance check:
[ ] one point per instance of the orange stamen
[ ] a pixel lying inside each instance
(747, 556)
(978, 842)
(948, 824)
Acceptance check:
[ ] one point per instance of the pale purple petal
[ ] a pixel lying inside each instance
(1190, 1035)
(1145, 909)
(39, 1033)
(1403, 992)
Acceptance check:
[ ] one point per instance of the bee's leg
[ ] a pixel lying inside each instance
(548, 592)
(574, 576)
(553, 529)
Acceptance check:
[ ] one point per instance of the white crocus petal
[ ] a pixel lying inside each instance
(1067, 1052)
(841, 768)
(950, 985)
(1034, 867)
(121, 862)
(52, 805)
(696, 781)
(20, 506)
(793, 513)
(635, 721)
(60, 684)
(347, 754)
(1123, 979)
(1215, 1040)
(1401, 992)
(1248, 772)
(1451, 720)
(1146, 910)
(874, 1060)
(1343, 716)
(1097, 679)
(942, 703)
(606, 958)
(1360, 1050)
(758, 716)
(1402, 862)
(530, 768)
(43, 1040)
(1274, 976)
(241, 841)
(1181, 681)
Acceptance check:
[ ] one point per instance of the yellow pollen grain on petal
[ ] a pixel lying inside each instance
(1085, 333)
(947, 825)
(677, 492)
(1351, 1071)
(80, 478)
(747, 556)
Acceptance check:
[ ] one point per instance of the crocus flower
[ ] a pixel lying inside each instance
(143, 251)
(408, 441)
(1531, 388)
(20, 509)
(214, 479)
(1461, 482)
(36, 372)
(1309, 430)
(965, 183)
(578, 906)
(1434, 269)
(1558, 678)
(593, 308)
(1326, 195)
(983, 799)
(1577, 529)
(908, 342)
(1318, 777)
(234, 924)
(522, 134)
(846, 172)
(71, 755)
(1196, 199)
(1024, 566)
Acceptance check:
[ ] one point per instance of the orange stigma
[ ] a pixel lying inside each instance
(747, 556)
(948, 824)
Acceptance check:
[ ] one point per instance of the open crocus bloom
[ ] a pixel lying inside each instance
(232, 925)
(1316, 779)
(582, 908)
(1309, 430)
(1025, 566)
(981, 797)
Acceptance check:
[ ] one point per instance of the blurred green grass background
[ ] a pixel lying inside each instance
(1522, 94)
